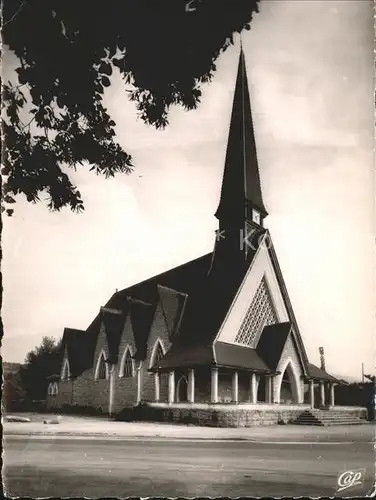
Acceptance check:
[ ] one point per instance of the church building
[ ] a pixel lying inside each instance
(213, 337)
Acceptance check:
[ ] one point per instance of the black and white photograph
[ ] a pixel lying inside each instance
(188, 248)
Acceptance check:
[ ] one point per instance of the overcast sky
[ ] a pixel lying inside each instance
(310, 68)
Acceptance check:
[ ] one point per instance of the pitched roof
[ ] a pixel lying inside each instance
(272, 341)
(184, 356)
(172, 303)
(79, 350)
(316, 373)
(113, 321)
(141, 315)
(230, 355)
(182, 278)
(241, 178)
(206, 307)
(281, 282)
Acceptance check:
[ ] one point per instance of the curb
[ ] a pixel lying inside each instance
(124, 438)
(65, 435)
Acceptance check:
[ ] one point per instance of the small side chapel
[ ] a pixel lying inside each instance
(216, 332)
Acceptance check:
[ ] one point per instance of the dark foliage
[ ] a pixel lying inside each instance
(357, 394)
(67, 52)
(13, 394)
(40, 363)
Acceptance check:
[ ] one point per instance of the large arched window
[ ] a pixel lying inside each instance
(127, 364)
(65, 371)
(158, 353)
(101, 371)
(182, 390)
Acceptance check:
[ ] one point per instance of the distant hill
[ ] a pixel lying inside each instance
(11, 367)
(346, 378)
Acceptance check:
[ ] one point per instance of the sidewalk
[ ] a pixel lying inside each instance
(87, 427)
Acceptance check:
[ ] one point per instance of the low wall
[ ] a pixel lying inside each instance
(354, 411)
(246, 415)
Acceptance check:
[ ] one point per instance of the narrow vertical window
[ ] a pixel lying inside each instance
(102, 369)
(127, 365)
(65, 372)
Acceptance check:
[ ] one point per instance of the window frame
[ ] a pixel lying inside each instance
(65, 370)
(154, 351)
(102, 354)
(127, 350)
(257, 316)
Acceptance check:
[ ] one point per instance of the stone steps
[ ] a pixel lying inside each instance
(331, 422)
(326, 418)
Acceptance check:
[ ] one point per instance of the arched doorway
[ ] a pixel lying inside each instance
(182, 390)
(289, 392)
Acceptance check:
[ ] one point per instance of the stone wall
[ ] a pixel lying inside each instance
(63, 397)
(160, 332)
(224, 416)
(125, 387)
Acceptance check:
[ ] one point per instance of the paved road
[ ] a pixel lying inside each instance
(96, 467)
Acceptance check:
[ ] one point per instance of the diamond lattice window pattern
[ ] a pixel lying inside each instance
(260, 313)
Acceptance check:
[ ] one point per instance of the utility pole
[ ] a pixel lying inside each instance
(362, 373)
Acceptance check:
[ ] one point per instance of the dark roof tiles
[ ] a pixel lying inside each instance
(79, 350)
(316, 373)
(186, 356)
(236, 356)
(272, 341)
(113, 326)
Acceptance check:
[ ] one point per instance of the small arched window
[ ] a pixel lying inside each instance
(127, 364)
(52, 389)
(65, 372)
(101, 371)
(182, 390)
(157, 354)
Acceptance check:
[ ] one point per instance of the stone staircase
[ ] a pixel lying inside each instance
(325, 417)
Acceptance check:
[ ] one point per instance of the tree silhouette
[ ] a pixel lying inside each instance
(67, 51)
(13, 394)
(42, 362)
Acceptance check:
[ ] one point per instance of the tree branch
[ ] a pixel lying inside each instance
(15, 14)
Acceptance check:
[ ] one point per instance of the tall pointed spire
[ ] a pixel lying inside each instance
(241, 189)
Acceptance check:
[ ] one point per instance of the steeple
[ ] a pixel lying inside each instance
(241, 197)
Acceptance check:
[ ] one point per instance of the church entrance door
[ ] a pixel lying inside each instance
(182, 390)
(289, 387)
